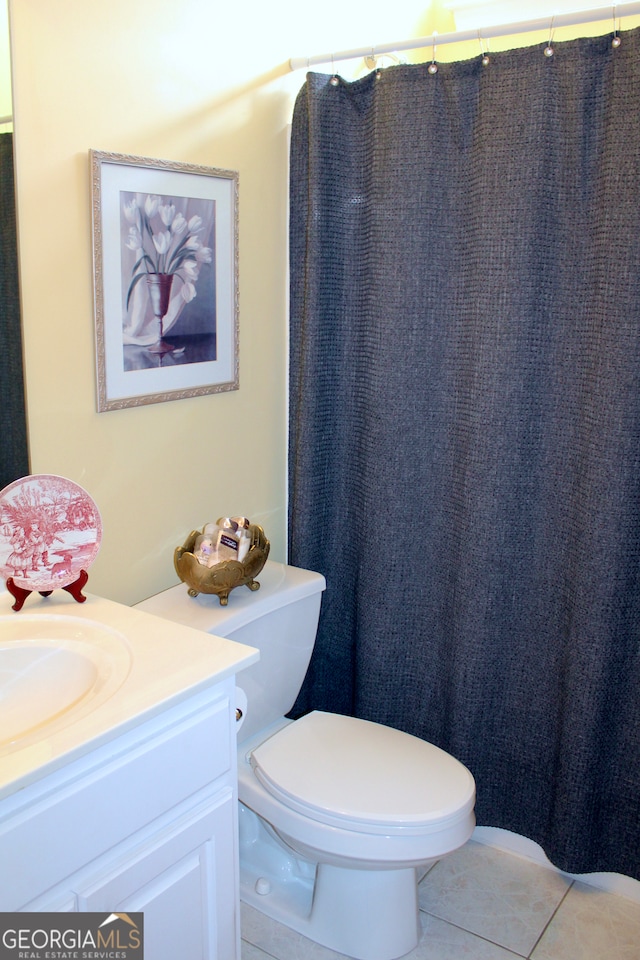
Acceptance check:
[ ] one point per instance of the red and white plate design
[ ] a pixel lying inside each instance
(50, 530)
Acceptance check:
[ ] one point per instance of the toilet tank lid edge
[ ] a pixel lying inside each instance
(280, 585)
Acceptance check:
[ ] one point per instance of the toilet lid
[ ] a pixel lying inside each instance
(334, 768)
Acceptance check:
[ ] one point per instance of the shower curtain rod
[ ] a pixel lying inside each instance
(613, 12)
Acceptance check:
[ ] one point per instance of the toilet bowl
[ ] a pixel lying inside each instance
(339, 817)
(364, 808)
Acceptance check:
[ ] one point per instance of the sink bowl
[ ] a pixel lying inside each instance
(52, 670)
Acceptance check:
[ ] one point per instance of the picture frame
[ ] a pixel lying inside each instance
(165, 268)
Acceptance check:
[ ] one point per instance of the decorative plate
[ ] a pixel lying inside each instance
(50, 530)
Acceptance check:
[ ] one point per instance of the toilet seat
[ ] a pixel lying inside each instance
(363, 776)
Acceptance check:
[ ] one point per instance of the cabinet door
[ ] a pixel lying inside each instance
(184, 880)
(79, 813)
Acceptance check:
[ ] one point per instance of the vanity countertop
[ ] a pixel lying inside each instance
(161, 663)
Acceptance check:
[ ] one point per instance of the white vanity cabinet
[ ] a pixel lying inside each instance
(146, 821)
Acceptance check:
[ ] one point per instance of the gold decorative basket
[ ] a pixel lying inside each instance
(224, 577)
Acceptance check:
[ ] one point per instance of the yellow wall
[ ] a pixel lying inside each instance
(5, 69)
(183, 80)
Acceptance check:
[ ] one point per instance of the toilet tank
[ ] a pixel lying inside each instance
(280, 619)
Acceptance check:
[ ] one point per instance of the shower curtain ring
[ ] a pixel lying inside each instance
(616, 39)
(376, 64)
(433, 66)
(334, 78)
(486, 60)
(548, 50)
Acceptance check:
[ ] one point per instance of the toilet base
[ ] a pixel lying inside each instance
(366, 914)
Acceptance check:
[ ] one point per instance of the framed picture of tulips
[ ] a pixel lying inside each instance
(165, 258)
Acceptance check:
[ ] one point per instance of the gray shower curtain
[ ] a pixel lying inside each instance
(14, 460)
(465, 424)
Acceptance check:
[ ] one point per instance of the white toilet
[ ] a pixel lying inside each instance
(338, 816)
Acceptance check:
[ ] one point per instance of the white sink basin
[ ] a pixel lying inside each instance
(52, 669)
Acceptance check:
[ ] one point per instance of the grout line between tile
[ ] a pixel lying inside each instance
(477, 936)
(256, 947)
(427, 870)
(550, 920)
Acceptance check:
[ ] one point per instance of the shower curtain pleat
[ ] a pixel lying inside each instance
(464, 459)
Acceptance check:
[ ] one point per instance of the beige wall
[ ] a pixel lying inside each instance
(184, 80)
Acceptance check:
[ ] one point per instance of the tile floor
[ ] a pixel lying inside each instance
(483, 904)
